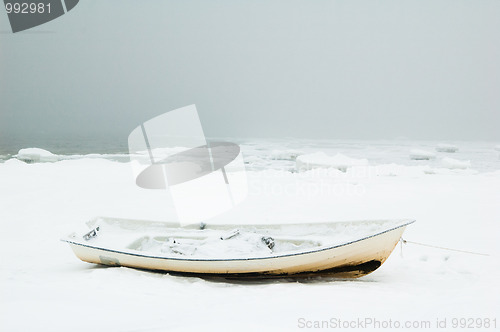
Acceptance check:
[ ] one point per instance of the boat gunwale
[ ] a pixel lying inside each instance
(411, 221)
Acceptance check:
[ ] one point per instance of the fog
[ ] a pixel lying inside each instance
(307, 69)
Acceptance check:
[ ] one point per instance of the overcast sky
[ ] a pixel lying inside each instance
(311, 69)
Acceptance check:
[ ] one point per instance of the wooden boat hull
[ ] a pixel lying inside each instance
(347, 260)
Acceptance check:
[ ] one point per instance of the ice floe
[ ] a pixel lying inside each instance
(322, 160)
(417, 154)
(34, 155)
(449, 148)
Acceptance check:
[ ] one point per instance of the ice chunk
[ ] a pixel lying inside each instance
(497, 147)
(285, 154)
(35, 155)
(417, 154)
(446, 148)
(322, 160)
(455, 164)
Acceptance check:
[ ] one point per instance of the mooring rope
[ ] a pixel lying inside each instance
(442, 248)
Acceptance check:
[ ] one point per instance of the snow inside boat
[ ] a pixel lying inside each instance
(339, 249)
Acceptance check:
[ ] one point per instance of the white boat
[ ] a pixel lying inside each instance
(340, 249)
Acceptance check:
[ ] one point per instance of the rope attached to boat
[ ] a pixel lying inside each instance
(403, 241)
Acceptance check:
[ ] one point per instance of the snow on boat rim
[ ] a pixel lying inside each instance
(139, 253)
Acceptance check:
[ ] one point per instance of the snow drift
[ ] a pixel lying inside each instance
(455, 164)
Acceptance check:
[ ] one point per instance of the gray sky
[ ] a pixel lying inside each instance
(312, 69)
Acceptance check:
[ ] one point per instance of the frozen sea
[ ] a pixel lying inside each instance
(262, 154)
(453, 196)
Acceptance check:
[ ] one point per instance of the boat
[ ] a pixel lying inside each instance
(339, 249)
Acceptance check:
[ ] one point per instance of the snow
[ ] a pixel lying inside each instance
(446, 148)
(43, 286)
(239, 245)
(455, 164)
(322, 160)
(417, 154)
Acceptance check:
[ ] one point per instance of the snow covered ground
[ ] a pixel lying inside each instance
(43, 286)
